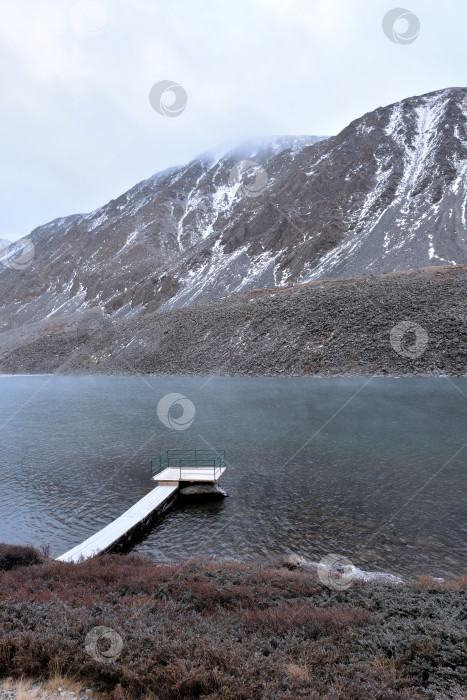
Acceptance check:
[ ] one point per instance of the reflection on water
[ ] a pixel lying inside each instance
(371, 469)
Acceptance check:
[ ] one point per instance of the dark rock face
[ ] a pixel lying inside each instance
(387, 193)
(334, 327)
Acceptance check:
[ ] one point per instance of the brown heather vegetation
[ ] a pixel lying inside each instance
(236, 631)
(12, 556)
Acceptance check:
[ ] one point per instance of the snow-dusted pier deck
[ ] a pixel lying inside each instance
(113, 533)
(198, 475)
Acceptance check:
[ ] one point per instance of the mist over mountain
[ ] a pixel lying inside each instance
(386, 194)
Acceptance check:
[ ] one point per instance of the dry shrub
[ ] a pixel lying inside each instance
(315, 622)
(232, 630)
(301, 673)
(456, 584)
(12, 556)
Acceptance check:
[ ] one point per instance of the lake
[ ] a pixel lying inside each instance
(373, 469)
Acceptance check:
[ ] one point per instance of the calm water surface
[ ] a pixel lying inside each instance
(374, 470)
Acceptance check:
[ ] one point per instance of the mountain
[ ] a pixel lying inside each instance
(411, 322)
(387, 193)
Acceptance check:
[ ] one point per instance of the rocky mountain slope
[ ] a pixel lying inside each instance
(398, 323)
(387, 193)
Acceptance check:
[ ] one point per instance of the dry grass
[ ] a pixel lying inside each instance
(30, 689)
(25, 689)
(236, 631)
(59, 682)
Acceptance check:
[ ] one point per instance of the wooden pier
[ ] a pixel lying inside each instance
(113, 533)
(168, 469)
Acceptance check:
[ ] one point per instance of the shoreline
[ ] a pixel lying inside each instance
(245, 375)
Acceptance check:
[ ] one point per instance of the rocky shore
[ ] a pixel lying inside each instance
(402, 323)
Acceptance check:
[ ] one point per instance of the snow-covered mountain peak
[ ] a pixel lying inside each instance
(387, 193)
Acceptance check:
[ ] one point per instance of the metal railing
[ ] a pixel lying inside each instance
(189, 460)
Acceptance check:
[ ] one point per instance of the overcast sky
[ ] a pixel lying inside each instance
(78, 128)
